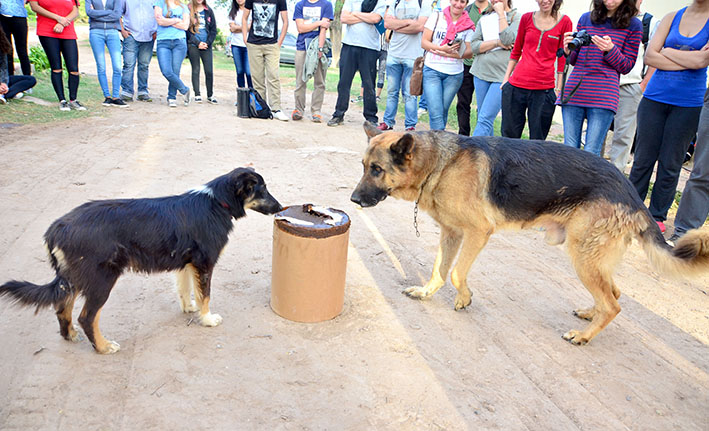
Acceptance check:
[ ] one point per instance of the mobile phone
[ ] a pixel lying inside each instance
(454, 41)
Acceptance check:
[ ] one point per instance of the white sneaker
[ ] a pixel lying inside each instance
(421, 111)
(3, 101)
(186, 97)
(172, 103)
(279, 115)
(19, 95)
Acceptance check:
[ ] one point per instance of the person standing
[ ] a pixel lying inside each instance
(360, 50)
(465, 94)
(104, 24)
(263, 43)
(406, 19)
(55, 29)
(201, 35)
(238, 46)
(668, 114)
(528, 88)
(139, 29)
(312, 19)
(13, 20)
(591, 92)
(173, 19)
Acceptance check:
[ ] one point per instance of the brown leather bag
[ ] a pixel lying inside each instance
(416, 82)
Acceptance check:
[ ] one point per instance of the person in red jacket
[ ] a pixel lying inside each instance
(529, 88)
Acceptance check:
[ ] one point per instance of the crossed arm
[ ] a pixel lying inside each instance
(670, 58)
(181, 23)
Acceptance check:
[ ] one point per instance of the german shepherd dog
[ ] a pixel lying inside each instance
(474, 186)
(91, 246)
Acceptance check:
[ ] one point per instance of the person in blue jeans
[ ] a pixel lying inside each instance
(173, 19)
(138, 28)
(446, 38)
(238, 47)
(406, 19)
(104, 24)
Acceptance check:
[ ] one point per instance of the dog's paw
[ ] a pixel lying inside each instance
(417, 292)
(74, 336)
(110, 348)
(585, 313)
(462, 301)
(210, 319)
(190, 307)
(574, 337)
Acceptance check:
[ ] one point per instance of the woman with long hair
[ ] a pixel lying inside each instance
(13, 20)
(55, 28)
(668, 114)
(446, 38)
(592, 90)
(201, 35)
(530, 87)
(490, 62)
(11, 86)
(238, 47)
(104, 25)
(173, 21)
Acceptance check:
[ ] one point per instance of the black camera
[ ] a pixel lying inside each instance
(581, 38)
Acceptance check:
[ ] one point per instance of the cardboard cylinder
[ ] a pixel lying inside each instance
(242, 103)
(309, 267)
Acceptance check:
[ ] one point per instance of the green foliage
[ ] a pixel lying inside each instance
(39, 58)
(220, 40)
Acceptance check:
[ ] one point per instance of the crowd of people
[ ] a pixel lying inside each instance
(643, 78)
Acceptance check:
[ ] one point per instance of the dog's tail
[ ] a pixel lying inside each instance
(30, 294)
(689, 256)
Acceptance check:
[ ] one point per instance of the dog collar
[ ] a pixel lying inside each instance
(224, 204)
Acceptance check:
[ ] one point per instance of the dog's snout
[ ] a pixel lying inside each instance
(356, 198)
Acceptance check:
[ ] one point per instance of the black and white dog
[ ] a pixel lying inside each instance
(91, 246)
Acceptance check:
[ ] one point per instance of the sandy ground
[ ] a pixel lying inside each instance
(387, 362)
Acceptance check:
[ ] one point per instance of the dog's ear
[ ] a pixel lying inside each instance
(246, 183)
(402, 150)
(371, 130)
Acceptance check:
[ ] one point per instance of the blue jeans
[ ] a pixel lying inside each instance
(171, 54)
(489, 100)
(440, 89)
(598, 122)
(241, 63)
(143, 53)
(99, 40)
(398, 77)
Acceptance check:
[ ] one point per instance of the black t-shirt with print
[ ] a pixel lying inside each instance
(265, 15)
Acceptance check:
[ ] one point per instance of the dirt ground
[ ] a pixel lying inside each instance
(386, 363)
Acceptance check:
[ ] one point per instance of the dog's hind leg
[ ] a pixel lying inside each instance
(450, 240)
(473, 242)
(63, 311)
(185, 279)
(96, 296)
(203, 282)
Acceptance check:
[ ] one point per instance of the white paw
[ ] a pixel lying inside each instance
(210, 319)
(417, 292)
(111, 348)
(189, 307)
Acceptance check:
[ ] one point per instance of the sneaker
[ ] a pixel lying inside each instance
(336, 121)
(3, 101)
(64, 106)
(384, 126)
(198, 99)
(236, 103)
(316, 118)
(279, 115)
(186, 97)
(29, 91)
(128, 97)
(661, 225)
(107, 101)
(142, 98)
(673, 239)
(212, 100)
(296, 115)
(421, 111)
(172, 103)
(356, 99)
(74, 104)
(119, 103)
(379, 98)
(411, 129)
(19, 95)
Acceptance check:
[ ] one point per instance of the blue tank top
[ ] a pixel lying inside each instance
(680, 87)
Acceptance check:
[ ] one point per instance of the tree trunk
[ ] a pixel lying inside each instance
(336, 33)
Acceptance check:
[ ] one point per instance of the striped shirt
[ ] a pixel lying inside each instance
(599, 72)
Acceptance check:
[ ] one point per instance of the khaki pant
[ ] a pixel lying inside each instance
(264, 63)
(301, 86)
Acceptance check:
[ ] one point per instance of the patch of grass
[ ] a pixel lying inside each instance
(24, 112)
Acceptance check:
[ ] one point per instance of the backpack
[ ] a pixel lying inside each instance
(258, 108)
(646, 29)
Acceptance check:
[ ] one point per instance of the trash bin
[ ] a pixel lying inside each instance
(242, 103)
(309, 263)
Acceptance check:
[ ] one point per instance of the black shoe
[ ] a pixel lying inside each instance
(119, 103)
(336, 121)
(144, 98)
(673, 239)
(107, 101)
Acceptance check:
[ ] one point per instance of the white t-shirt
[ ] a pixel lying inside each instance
(237, 39)
(447, 65)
